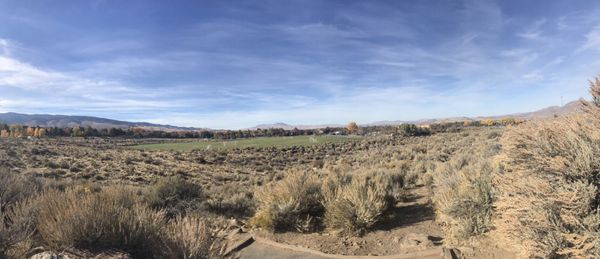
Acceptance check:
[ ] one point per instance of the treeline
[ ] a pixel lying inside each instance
(17, 131)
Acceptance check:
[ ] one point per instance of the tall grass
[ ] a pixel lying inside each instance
(189, 237)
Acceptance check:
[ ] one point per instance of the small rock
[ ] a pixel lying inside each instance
(46, 255)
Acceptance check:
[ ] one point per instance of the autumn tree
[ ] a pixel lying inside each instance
(352, 127)
(77, 132)
(30, 131)
(16, 131)
(40, 132)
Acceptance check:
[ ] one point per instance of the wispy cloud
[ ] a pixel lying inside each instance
(592, 39)
(305, 62)
(533, 32)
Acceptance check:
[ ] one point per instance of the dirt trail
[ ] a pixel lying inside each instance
(262, 248)
(409, 232)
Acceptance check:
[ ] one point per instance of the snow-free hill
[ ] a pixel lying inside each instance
(47, 120)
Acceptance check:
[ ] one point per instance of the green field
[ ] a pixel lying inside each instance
(252, 142)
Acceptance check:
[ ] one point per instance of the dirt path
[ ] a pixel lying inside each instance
(262, 248)
(408, 232)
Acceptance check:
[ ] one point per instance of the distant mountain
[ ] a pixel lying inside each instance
(281, 125)
(571, 107)
(61, 121)
(47, 120)
(548, 112)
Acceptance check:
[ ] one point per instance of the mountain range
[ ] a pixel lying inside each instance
(47, 120)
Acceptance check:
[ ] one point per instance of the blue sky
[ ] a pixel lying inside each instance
(236, 64)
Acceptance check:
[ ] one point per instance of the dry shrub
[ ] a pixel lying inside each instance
(17, 227)
(15, 187)
(292, 203)
(354, 203)
(17, 213)
(231, 201)
(549, 194)
(176, 196)
(111, 219)
(463, 197)
(549, 199)
(190, 238)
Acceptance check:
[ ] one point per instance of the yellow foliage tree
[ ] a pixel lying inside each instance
(352, 127)
(41, 132)
(488, 122)
(30, 132)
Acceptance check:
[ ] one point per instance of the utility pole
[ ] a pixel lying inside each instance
(561, 101)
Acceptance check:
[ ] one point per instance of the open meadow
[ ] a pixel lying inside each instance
(246, 143)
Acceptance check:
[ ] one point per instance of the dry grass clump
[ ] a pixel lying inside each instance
(463, 198)
(189, 238)
(17, 213)
(463, 191)
(111, 219)
(292, 203)
(176, 196)
(347, 202)
(17, 228)
(548, 204)
(354, 203)
(15, 187)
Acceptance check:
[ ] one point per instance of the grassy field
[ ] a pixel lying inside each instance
(253, 142)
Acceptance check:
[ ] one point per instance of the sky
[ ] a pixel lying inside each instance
(236, 64)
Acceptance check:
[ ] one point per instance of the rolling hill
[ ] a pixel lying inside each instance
(47, 120)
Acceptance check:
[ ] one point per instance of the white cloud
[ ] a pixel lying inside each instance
(4, 47)
(592, 41)
(534, 32)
